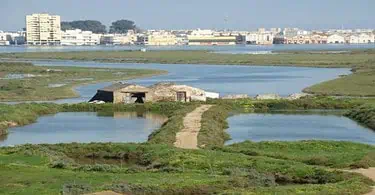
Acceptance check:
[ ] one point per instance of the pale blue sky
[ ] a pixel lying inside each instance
(182, 14)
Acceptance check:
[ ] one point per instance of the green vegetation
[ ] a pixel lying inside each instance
(356, 84)
(353, 59)
(364, 115)
(23, 114)
(156, 167)
(23, 81)
(161, 169)
(320, 153)
(167, 133)
(214, 122)
(84, 25)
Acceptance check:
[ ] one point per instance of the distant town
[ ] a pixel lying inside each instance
(45, 29)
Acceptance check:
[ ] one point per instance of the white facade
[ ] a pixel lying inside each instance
(43, 29)
(336, 39)
(118, 39)
(4, 38)
(79, 37)
(260, 38)
(365, 38)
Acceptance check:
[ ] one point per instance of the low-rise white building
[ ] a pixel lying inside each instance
(79, 37)
(260, 38)
(336, 39)
(4, 38)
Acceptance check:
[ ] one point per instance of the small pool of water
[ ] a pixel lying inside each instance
(85, 127)
(292, 127)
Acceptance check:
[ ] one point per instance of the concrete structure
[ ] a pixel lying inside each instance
(79, 37)
(336, 39)
(122, 93)
(161, 92)
(43, 29)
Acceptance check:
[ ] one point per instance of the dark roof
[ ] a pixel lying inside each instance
(115, 87)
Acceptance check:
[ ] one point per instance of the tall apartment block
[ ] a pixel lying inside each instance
(43, 29)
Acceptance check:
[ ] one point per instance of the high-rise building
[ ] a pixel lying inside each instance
(43, 29)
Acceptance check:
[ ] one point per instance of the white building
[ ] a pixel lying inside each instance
(43, 29)
(118, 39)
(79, 37)
(4, 38)
(365, 38)
(261, 37)
(336, 39)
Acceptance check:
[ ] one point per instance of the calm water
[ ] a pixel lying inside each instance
(86, 127)
(224, 79)
(240, 49)
(291, 127)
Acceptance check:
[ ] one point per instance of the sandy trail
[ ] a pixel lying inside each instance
(187, 138)
(370, 173)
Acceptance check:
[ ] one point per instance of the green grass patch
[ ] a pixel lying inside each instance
(161, 169)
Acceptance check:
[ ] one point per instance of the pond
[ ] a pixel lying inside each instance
(85, 127)
(292, 127)
(223, 79)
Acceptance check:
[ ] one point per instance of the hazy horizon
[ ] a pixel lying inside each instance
(207, 14)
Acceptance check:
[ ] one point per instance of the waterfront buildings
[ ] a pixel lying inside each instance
(336, 39)
(209, 37)
(161, 38)
(79, 37)
(43, 29)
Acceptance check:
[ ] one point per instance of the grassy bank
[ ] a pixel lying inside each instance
(23, 114)
(214, 123)
(23, 81)
(364, 115)
(160, 169)
(357, 84)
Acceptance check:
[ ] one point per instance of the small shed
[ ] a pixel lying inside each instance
(122, 93)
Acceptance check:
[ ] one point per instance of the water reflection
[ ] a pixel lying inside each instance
(292, 127)
(85, 127)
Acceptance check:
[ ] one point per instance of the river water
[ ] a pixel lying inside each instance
(85, 127)
(292, 127)
(235, 49)
(223, 79)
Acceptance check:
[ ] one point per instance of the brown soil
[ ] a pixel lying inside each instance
(187, 138)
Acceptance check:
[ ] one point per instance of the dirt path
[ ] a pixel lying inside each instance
(187, 138)
(370, 173)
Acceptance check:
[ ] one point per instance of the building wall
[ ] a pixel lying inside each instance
(162, 39)
(78, 37)
(335, 39)
(43, 29)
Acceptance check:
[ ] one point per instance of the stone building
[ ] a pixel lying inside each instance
(161, 92)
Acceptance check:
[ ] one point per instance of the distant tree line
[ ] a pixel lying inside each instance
(119, 26)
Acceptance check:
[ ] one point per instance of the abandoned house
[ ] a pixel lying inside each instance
(160, 92)
(122, 93)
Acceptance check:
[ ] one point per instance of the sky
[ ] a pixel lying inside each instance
(204, 14)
